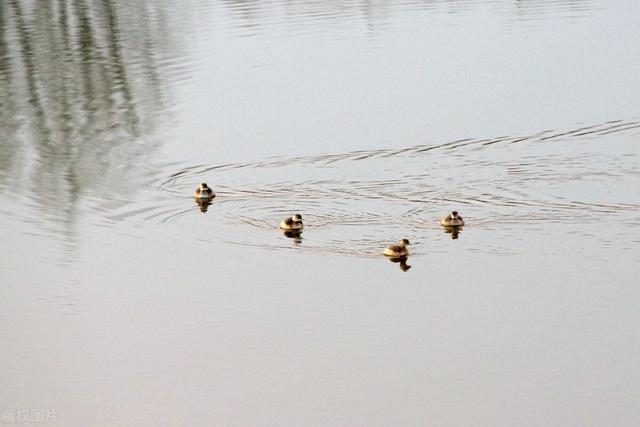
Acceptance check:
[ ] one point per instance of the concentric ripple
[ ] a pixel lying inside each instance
(356, 202)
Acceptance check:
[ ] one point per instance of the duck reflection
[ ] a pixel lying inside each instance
(295, 235)
(203, 204)
(402, 262)
(453, 230)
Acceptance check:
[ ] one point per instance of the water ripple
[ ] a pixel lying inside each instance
(602, 129)
(354, 202)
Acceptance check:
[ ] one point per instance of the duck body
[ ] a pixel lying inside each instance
(397, 251)
(452, 220)
(204, 192)
(293, 223)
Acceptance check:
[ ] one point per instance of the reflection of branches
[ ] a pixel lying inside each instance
(8, 122)
(81, 99)
(120, 76)
(253, 15)
(27, 56)
(70, 71)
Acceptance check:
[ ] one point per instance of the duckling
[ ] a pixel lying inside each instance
(397, 251)
(203, 192)
(292, 223)
(452, 220)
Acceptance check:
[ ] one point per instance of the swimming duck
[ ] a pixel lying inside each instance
(292, 223)
(397, 251)
(452, 220)
(203, 192)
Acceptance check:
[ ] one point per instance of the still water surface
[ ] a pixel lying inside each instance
(123, 302)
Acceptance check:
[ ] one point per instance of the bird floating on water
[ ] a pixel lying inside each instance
(293, 223)
(452, 220)
(397, 251)
(204, 192)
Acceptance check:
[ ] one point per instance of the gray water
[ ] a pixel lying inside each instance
(123, 302)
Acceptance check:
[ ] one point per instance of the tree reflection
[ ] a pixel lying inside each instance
(81, 90)
(8, 119)
(254, 16)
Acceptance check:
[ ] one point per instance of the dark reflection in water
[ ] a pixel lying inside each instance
(203, 205)
(454, 231)
(402, 263)
(82, 87)
(295, 235)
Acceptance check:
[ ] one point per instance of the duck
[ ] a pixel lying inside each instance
(452, 220)
(397, 251)
(293, 223)
(203, 192)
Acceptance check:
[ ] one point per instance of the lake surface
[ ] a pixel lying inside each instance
(123, 302)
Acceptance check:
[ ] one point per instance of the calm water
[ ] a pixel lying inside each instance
(123, 302)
